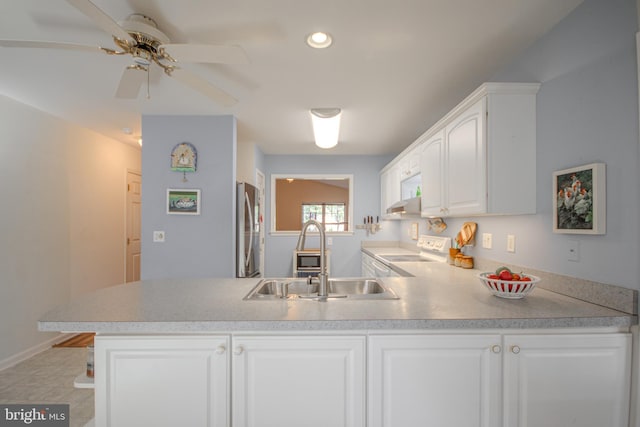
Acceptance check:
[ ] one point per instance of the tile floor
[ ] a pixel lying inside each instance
(48, 378)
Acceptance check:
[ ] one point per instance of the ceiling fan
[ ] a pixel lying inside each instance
(138, 35)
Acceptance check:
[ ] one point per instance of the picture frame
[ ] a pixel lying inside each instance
(579, 200)
(183, 201)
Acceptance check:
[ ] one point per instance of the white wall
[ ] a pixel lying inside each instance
(587, 111)
(62, 219)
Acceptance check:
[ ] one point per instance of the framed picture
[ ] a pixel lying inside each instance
(579, 200)
(183, 201)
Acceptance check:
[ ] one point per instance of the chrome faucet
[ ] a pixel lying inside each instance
(323, 277)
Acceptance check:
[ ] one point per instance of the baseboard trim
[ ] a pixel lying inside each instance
(30, 352)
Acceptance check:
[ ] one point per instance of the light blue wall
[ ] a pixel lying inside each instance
(345, 251)
(195, 246)
(587, 111)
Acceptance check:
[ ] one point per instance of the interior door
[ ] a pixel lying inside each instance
(134, 225)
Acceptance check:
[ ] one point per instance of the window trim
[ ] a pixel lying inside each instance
(273, 213)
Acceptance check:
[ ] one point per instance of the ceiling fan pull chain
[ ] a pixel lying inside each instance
(148, 90)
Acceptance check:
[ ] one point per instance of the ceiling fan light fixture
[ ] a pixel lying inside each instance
(319, 40)
(326, 126)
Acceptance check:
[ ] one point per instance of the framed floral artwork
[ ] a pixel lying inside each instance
(579, 200)
(183, 202)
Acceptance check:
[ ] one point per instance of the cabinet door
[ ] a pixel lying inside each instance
(298, 381)
(436, 380)
(431, 158)
(567, 380)
(390, 191)
(409, 165)
(367, 266)
(465, 167)
(161, 381)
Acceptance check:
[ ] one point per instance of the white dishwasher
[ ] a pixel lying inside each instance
(372, 267)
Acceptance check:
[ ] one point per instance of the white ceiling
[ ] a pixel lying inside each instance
(395, 66)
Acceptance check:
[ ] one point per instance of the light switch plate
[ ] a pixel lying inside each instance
(487, 240)
(413, 232)
(511, 243)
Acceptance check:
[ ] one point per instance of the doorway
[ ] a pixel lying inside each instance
(133, 226)
(260, 184)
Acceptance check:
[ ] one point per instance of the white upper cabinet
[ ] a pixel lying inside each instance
(480, 158)
(390, 191)
(431, 164)
(465, 171)
(410, 164)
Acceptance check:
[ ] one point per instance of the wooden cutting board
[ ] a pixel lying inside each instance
(467, 234)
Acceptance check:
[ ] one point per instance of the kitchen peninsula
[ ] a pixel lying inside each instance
(447, 352)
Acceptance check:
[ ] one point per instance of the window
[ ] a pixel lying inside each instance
(330, 215)
(328, 198)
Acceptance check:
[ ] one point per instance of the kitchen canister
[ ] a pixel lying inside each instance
(458, 260)
(452, 255)
(466, 261)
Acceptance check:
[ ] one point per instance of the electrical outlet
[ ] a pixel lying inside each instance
(487, 240)
(511, 243)
(329, 241)
(158, 236)
(573, 250)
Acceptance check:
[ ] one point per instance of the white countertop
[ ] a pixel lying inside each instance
(444, 297)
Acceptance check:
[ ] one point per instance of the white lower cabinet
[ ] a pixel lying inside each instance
(470, 379)
(434, 380)
(567, 380)
(162, 381)
(298, 381)
(537, 380)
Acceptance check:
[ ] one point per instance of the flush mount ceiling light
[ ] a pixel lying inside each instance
(319, 40)
(326, 126)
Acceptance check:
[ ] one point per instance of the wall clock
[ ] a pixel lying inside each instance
(184, 158)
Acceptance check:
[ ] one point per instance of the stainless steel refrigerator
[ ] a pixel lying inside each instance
(248, 231)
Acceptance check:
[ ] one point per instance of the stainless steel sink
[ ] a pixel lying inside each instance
(298, 288)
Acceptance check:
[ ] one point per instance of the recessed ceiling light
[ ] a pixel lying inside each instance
(319, 40)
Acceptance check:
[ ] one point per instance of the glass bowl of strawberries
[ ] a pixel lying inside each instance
(504, 283)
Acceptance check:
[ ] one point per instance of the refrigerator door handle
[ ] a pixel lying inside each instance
(250, 247)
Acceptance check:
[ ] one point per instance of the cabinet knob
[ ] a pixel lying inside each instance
(515, 349)
(239, 350)
(496, 348)
(221, 349)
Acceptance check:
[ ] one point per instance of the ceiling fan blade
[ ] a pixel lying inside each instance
(204, 87)
(130, 82)
(215, 54)
(101, 19)
(49, 45)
